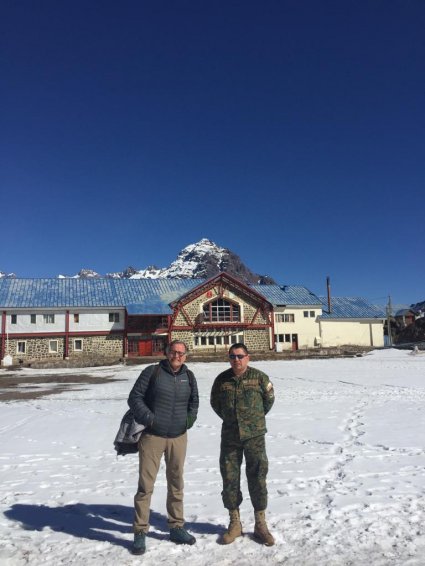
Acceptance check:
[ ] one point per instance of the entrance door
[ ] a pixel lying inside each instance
(294, 342)
(145, 348)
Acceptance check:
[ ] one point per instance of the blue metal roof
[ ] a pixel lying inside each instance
(350, 307)
(153, 296)
(287, 295)
(142, 296)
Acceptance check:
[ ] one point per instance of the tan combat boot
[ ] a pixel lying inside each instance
(235, 528)
(261, 531)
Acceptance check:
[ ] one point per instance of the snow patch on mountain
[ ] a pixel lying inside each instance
(82, 274)
(201, 260)
(196, 260)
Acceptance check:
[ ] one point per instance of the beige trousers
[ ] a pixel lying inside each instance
(151, 449)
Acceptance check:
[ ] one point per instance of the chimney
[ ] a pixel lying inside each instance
(328, 285)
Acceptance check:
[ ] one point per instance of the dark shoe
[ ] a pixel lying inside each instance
(179, 535)
(139, 544)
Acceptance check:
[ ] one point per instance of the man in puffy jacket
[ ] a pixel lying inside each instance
(242, 396)
(165, 400)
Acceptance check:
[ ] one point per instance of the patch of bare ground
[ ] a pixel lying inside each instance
(15, 388)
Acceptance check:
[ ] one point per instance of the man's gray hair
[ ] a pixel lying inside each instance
(174, 343)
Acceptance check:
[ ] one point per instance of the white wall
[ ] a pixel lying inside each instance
(307, 329)
(89, 320)
(95, 320)
(349, 332)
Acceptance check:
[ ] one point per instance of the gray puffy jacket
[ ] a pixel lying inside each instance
(164, 406)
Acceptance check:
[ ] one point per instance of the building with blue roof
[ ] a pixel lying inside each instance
(67, 318)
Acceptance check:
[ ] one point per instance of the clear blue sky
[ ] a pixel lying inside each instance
(291, 132)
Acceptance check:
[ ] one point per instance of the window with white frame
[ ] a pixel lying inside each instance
(78, 345)
(21, 347)
(33, 319)
(311, 314)
(53, 346)
(217, 340)
(13, 319)
(76, 318)
(284, 317)
(114, 317)
(49, 318)
(221, 310)
(282, 338)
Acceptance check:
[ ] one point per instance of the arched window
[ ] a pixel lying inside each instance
(221, 310)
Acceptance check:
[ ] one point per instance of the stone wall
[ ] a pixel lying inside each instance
(255, 339)
(111, 345)
(194, 308)
(185, 336)
(37, 348)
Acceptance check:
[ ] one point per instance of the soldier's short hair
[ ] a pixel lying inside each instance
(237, 346)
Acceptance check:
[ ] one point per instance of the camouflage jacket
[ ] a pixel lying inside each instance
(242, 403)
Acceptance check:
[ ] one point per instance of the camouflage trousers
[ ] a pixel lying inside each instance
(256, 466)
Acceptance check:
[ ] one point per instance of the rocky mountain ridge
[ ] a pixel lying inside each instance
(202, 260)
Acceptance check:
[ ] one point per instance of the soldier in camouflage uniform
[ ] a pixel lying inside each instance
(242, 396)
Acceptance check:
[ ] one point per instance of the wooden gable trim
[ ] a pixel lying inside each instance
(257, 312)
(186, 316)
(220, 282)
(190, 324)
(266, 312)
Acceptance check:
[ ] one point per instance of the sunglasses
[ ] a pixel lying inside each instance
(237, 356)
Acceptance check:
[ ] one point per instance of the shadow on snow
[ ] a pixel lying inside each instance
(95, 522)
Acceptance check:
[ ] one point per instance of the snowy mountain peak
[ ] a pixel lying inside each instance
(82, 274)
(201, 260)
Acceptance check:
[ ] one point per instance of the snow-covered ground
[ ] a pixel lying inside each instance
(346, 446)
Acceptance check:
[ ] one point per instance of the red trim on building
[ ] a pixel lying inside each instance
(3, 334)
(66, 349)
(222, 282)
(62, 334)
(125, 336)
(186, 316)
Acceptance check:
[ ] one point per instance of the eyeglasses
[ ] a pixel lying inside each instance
(175, 353)
(237, 356)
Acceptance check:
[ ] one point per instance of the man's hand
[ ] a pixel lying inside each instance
(190, 421)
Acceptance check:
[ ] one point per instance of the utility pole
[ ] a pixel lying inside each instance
(389, 315)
